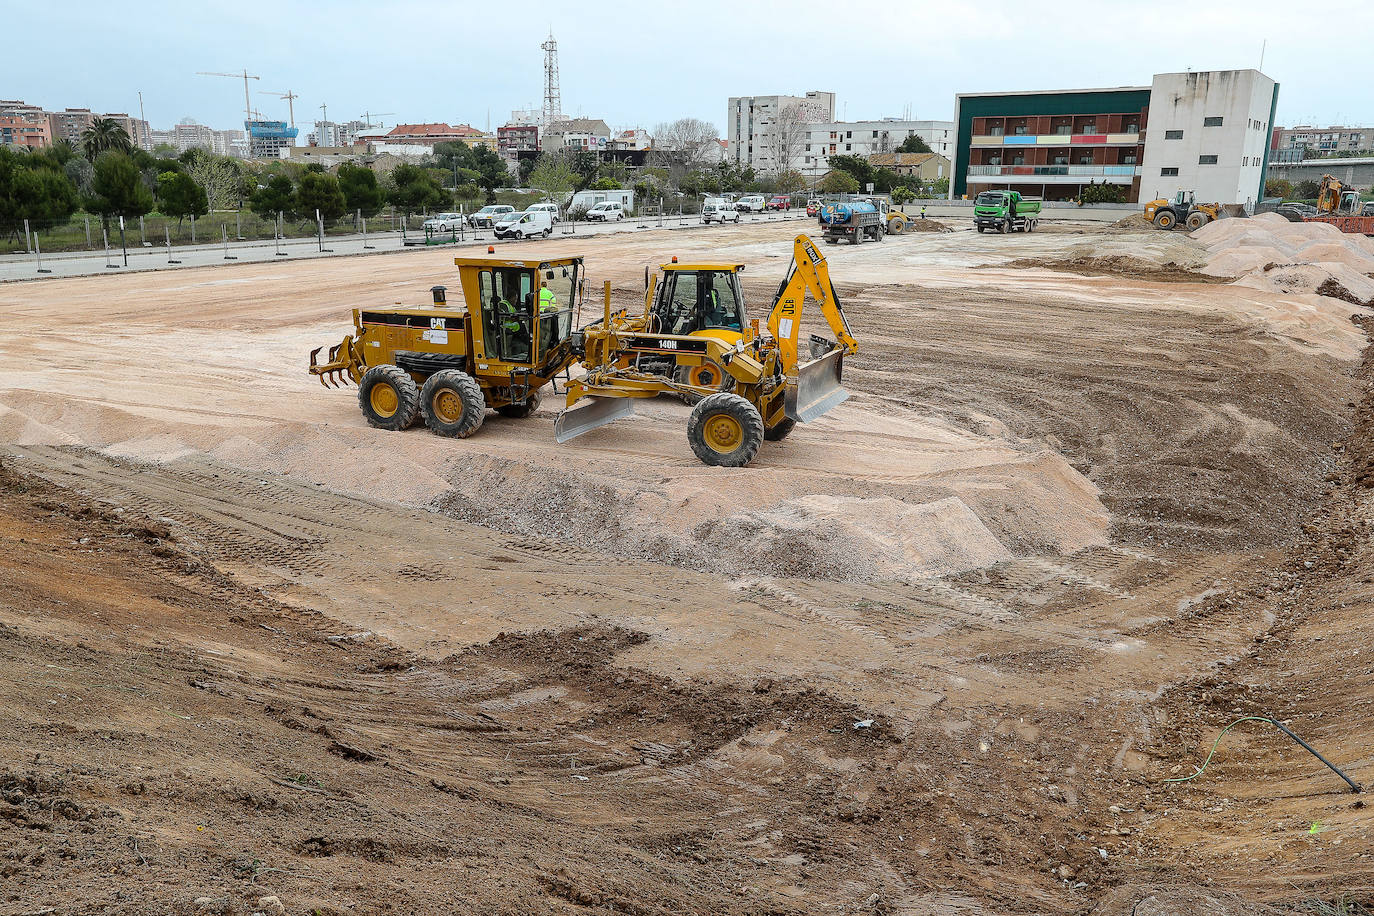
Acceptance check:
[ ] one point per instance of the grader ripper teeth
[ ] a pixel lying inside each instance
(335, 371)
(512, 334)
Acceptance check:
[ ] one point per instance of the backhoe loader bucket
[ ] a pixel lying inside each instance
(590, 414)
(817, 390)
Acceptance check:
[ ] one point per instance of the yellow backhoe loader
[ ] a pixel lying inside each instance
(773, 388)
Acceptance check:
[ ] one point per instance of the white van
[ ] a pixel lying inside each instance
(607, 211)
(752, 203)
(530, 224)
(550, 209)
(718, 210)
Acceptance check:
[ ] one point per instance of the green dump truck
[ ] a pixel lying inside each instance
(1005, 211)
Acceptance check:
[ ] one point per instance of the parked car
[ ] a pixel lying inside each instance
(443, 222)
(607, 211)
(780, 202)
(485, 218)
(718, 210)
(752, 203)
(813, 207)
(524, 225)
(550, 209)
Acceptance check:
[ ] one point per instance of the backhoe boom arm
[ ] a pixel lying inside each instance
(809, 273)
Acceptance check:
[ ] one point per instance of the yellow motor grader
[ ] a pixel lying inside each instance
(513, 333)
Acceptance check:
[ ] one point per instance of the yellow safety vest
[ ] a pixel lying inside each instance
(547, 301)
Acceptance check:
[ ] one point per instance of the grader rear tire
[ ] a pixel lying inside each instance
(389, 397)
(725, 430)
(453, 404)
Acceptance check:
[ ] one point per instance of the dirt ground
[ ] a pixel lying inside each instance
(933, 654)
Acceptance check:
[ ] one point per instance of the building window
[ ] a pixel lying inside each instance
(849, 135)
(1063, 130)
(1128, 159)
(1132, 127)
(1167, 172)
(1061, 159)
(875, 135)
(847, 146)
(1206, 160)
(1090, 128)
(1211, 122)
(1173, 135)
(1020, 130)
(1018, 159)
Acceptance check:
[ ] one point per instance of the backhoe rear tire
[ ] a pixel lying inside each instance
(725, 430)
(520, 411)
(453, 404)
(389, 397)
(779, 432)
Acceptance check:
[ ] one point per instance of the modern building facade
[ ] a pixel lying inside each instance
(1204, 132)
(761, 130)
(1049, 144)
(24, 125)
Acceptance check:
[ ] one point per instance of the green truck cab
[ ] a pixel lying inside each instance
(1005, 211)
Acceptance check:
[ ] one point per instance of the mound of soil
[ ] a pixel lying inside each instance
(926, 225)
(1134, 221)
(1119, 266)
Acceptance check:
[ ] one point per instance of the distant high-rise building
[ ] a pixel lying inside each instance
(755, 124)
(266, 139)
(24, 125)
(69, 124)
(136, 128)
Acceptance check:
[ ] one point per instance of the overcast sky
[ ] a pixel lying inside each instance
(640, 63)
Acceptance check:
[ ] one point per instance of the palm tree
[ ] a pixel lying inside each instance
(104, 134)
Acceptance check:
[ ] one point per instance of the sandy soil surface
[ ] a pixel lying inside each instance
(932, 654)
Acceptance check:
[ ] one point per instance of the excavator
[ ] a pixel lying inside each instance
(770, 388)
(445, 364)
(1342, 207)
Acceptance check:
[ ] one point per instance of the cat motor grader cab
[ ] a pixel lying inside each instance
(772, 387)
(447, 363)
(1184, 209)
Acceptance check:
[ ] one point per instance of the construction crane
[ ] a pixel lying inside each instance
(245, 76)
(367, 118)
(290, 100)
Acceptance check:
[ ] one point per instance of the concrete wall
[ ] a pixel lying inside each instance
(1243, 99)
(1357, 173)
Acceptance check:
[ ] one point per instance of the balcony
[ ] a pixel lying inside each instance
(1056, 174)
(983, 140)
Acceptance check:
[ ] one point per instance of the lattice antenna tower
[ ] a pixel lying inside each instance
(553, 103)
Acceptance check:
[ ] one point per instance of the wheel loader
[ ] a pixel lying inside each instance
(512, 334)
(1183, 209)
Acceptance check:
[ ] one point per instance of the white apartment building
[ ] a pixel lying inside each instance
(862, 138)
(1208, 133)
(751, 126)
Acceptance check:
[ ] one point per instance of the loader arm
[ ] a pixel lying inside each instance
(808, 273)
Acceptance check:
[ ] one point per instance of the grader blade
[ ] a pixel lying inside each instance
(818, 389)
(593, 412)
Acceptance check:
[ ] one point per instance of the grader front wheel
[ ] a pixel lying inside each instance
(389, 397)
(725, 430)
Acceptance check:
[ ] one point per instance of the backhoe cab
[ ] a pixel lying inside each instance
(447, 363)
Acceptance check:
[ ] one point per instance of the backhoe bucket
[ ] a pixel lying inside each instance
(590, 414)
(818, 389)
